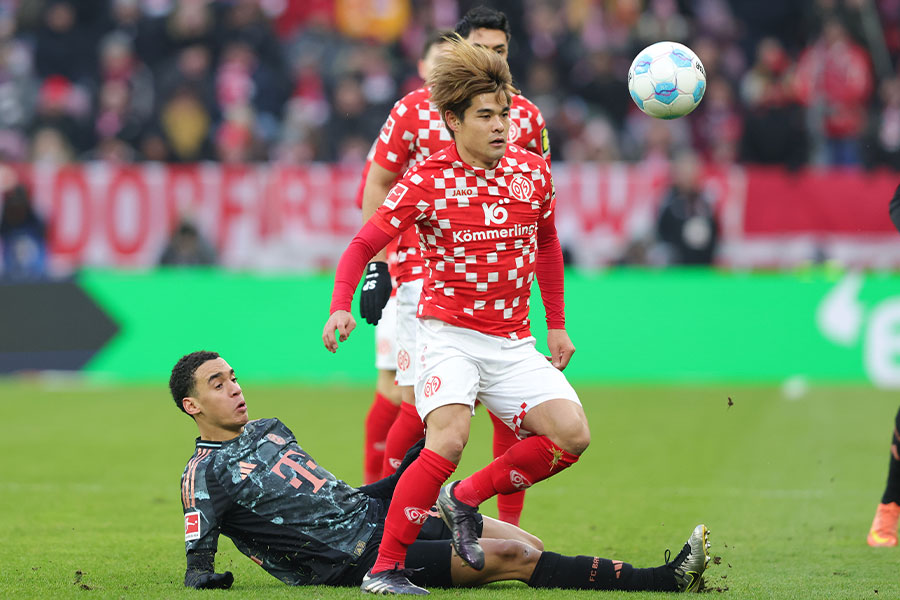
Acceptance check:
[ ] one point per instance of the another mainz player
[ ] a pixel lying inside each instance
(484, 211)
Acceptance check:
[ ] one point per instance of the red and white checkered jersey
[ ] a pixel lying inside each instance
(414, 131)
(478, 232)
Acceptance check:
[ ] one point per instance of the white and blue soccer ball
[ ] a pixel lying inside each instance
(666, 80)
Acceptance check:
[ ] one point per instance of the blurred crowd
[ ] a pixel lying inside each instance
(791, 82)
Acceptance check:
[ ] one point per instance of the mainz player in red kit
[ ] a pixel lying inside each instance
(484, 211)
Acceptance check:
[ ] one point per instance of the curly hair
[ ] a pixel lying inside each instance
(181, 381)
(482, 17)
(464, 71)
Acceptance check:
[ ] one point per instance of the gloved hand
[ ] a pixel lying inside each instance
(376, 291)
(209, 581)
(384, 488)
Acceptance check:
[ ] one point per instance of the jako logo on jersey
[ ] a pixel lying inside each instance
(395, 463)
(518, 480)
(403, 360)
(521, 188)
(191, 526)
(432, 386)
(514, 132)
(396, 194)
(415, 515)
(275, 439)
(494, 214)
(463, 192)
(517, 230)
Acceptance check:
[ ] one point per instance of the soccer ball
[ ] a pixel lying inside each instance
(666, 80)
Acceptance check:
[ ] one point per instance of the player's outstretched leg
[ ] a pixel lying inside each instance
(461, 520)
(691, 562)
(884, 527)
(391, 582)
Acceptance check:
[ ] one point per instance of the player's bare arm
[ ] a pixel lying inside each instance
(367, 243)
(378, 183)
(340, 322)
(561, 348)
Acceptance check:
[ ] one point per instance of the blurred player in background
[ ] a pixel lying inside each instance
(252, 482)
(413, 131)
(484, 210)
(884, 526)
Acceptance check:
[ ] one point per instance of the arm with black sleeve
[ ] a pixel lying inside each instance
(202, 504)
(384, 488)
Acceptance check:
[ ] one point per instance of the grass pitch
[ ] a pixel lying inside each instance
(90, 500)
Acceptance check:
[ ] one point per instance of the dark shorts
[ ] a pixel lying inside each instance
(429, 555)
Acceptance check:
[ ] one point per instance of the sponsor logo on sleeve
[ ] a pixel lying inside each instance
(545, 141)
(191, 526)
(396, 194)
(387, 130)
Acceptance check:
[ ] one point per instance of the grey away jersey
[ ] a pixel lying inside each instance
(289, 515)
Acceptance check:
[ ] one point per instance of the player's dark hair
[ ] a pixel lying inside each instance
(482, 17)
(464, 71)
(440, 36)
(181, 381)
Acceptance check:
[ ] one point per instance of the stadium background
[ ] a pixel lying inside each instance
(231, 134)
(193, 168)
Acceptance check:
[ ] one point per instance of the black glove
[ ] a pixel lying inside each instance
(376, 291)
(384, 488)
(209, 581)
(411, 455)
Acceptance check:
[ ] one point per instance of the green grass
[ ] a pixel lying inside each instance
(89, 484)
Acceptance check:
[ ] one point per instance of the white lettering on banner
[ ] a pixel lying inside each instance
(290, 218)
(882, 354)
(841, 317)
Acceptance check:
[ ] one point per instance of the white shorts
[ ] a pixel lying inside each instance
(510, 377)
(385, 338)
(407, 305)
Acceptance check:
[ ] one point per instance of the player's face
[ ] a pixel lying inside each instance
(482, 133)
(427, 63)
(218, 399)
(492, 39)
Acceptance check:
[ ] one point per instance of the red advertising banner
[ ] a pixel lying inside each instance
(270, 217)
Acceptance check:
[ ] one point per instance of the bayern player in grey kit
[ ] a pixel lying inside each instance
(252, 482)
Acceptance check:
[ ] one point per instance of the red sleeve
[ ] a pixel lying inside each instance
(362, 248)
(393, 148)
(549, 271)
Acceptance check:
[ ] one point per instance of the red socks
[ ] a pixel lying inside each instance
(509, 506)
(379, 420)
(413, 500)
(406, 431)
(531, 460)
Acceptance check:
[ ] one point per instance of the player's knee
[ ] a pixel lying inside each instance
(533, 540)
(513, 551)
(449, 447)
(575, 438)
